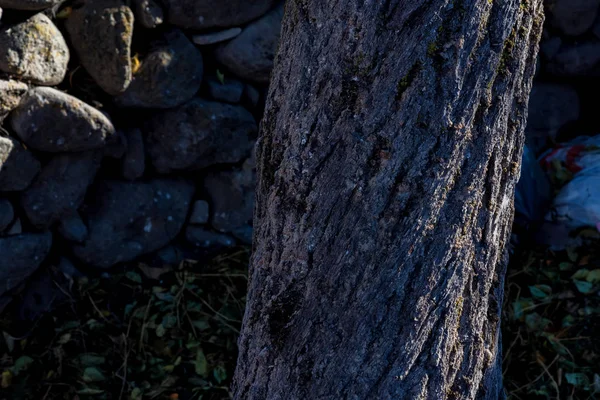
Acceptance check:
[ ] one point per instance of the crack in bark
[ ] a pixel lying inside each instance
(377, 268)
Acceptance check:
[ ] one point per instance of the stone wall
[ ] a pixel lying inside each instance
(563, 100)
(127, 129)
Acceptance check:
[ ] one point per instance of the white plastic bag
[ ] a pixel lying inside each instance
(577, 163)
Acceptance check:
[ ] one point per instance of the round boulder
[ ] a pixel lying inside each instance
(170, 74)
(10, 96)
(50, 120)
(59, 189)
(551, 106)
(34, 50)
(101, 33)
(199, 134)
(21, 256)
(18, 166)
(250, 55)
(573, 17)
(127, 220)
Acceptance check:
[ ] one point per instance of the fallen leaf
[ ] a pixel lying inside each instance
(201, 364)
(6, 379)
(21, 364)
(93, 374)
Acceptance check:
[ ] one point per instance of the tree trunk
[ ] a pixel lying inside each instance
(388, 157)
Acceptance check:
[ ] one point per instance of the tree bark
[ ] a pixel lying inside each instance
(387, 160)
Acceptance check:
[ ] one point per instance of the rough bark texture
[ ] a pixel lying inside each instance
(387, 163)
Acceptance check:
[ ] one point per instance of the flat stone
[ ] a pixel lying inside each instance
(204, 14)
(29, 4)
(11, 93)
(573, 17)
(52, 121)
(205, 39)
(199, 134)
(7, 214)
(200, 213)
(230, 91)
(148, 13)
(170, 74)
(18, 166)
(59, 190)
(34, 50)
(73, 228)
(101, 33)
(21, 256)
(128, 219)
(232, 197)
(250, 55)
(202, 237)
(134, 161)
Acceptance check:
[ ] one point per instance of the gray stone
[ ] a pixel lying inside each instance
(201, 237)
(199, 134)
(7, 214)
(244, 234)
(10, 96)
(50, 120)
(60, 188)
(252, 95)
(550, 46)
(16, 228)
(134, 161)
(232, 197)
(551, 106)
(170, 255)
(29, 4)
(205, 39)
(18, 166)
(204, 14)
(170, 74)
(101, 33)
(575, 59)
(68, 269)
(148, 13)
(72, 228)
(596, 27)
(21, 256)
(229, 91)
(126, 220)
(200, 213)
(251, 54)
(573, 17)
(116, 147)
(34, 50)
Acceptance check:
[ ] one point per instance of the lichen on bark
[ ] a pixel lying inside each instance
(385, 200)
